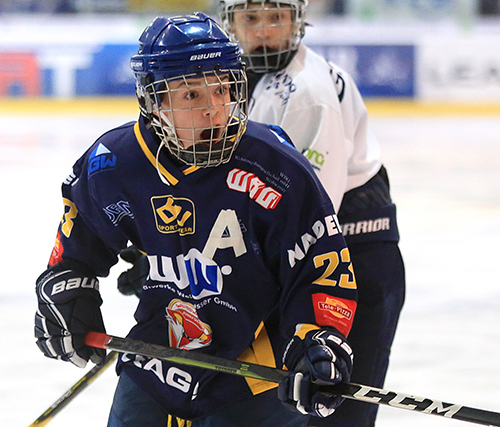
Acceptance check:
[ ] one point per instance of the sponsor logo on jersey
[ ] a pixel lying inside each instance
(100, 159)
(192, 272)
(203, 56)
(174, 215)
(172, 376)
(283, 86)
(247, 182)
(57, 251)
(364, 227)
(196, 275)
(333, 311)
(186, 330)
(117, 211)
(329, 225)
(315, 158)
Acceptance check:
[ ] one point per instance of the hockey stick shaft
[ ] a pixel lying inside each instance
(76, 389)
(349, 390)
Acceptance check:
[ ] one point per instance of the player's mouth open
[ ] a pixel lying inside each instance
(211, 135)
(263, 49)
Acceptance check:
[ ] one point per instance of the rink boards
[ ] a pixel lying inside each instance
(384, 107)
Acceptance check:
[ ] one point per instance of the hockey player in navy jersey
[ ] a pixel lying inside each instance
(319, 106)
(246, 257)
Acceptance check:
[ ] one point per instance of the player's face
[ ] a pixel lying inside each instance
(262, 30)
(198, 108)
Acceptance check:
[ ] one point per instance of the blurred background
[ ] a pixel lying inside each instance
(429, 71)
(415, 49)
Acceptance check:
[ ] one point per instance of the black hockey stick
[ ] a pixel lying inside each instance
(78, 387)
(265, 373)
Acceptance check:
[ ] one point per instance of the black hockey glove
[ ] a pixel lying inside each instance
(68, 308)
(323, 358)
(131, 281)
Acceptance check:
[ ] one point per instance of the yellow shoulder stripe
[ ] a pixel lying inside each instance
(170, 178)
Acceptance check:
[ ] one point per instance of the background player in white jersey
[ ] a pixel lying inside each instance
(246, 255)
(319, 106)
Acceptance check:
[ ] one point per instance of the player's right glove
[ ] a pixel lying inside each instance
(323, 358)
(68, 308)
(131, 281)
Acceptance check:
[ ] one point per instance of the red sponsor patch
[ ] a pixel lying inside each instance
(247, 182)
(186, 330)
(332, 311)
(57, 251)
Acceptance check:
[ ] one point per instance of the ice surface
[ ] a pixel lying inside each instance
(445, 175)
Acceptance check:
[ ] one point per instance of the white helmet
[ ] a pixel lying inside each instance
(264, 50)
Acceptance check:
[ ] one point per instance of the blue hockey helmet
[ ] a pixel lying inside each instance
(191, 47)
(171, 47)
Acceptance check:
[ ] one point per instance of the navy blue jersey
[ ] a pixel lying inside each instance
(242, 256)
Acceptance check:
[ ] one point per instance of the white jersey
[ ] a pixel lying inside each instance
(320, 108)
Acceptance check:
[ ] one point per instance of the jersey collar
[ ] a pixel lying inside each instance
(169, 175)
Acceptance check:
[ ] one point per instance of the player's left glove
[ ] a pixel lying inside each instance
(323, 358)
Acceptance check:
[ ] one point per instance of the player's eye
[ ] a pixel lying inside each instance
(277, 18)
(251, 18)
(221, 90)
(190, 95)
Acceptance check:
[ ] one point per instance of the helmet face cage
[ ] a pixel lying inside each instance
(199, 117)
(269, 32)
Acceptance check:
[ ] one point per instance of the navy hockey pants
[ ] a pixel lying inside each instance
(379, 271)
(132, 407)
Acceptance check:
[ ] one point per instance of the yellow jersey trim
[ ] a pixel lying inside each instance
(303, 328)
(261, 353)
(150, 156)
(190, 169)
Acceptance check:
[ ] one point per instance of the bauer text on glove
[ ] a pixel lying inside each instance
(68, 308)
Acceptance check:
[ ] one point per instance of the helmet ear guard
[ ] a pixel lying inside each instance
(183, 48)
(145, 102)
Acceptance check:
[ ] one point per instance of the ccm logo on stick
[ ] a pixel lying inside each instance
(408, 402)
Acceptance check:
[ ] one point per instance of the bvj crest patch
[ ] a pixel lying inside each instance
(173, 215)
(186, 330)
